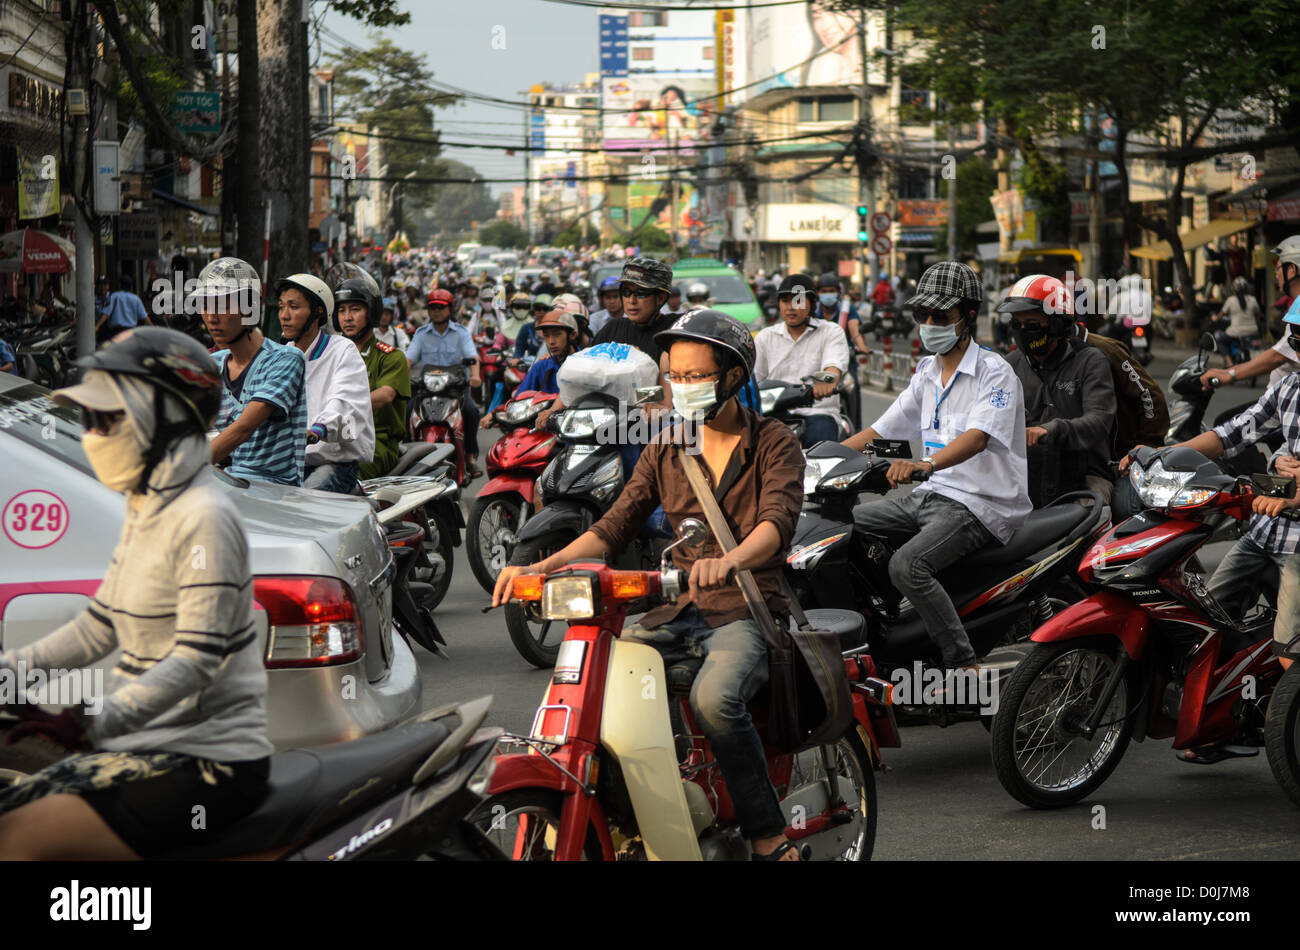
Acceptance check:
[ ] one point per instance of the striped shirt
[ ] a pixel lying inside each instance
(1280, 403)
(275, 451)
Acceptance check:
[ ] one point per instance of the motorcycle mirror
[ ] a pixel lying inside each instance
(1274, 486)
(1206, 342)
(647, 394)
(692, 531)
(892, 448)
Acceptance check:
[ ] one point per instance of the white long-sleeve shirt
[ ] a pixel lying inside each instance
(338, 402)
(781, 356)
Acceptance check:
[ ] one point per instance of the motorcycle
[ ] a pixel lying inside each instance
(616, 768)
(401, 794)
(1001, 592)
(777, 399)
(1150, 652)
(578, 485)
(1136, 338)
(509, 498)
(436, 393)
(1282, 730)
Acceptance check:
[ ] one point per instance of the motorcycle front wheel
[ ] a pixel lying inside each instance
(1040, 756)
(1282, 733)
(524, 824)
(488, 551)
(437, 541)
(537, 640)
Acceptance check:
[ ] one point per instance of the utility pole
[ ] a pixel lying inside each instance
(79, 78)
(672, 187)
(865, 196)
(952, 199)
(248, 198)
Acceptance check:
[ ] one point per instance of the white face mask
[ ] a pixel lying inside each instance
(116, 458)
(693, 400)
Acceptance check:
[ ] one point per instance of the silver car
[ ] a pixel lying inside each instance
(310, 551)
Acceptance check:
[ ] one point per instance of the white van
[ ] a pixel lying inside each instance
(465, 253)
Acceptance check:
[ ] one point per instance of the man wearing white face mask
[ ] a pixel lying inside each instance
(177, 600)
(968, 409)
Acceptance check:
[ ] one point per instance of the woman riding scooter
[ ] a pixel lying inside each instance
(177, 598)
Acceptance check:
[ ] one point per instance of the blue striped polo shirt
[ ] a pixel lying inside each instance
(275, 452)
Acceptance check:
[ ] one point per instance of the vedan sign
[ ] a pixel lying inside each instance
(805, 223)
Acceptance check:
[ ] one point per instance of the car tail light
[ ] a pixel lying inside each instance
(311, 621)
(1139, 331)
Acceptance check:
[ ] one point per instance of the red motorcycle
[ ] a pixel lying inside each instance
(616, 768)
(1150, 650)
(509, 498)
(436, 394)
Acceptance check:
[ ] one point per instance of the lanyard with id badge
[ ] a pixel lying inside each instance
(933, 436)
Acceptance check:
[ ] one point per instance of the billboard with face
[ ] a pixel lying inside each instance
(648, 111)
(810, 44)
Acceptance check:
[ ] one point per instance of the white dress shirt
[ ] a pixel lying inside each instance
(338, 397)
(983, 394)
(780, 356)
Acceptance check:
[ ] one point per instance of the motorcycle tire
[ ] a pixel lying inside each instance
(1112, 738)
(492, 819)
(520, 620)
(440, 583)
(487, 561)
(1282, 733)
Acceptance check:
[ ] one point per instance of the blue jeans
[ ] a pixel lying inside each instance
(735, 667)
(819, 427)
(338, 477)
(1237, 582)
(941, 532)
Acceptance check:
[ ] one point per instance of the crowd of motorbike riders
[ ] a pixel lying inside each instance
(328, 406)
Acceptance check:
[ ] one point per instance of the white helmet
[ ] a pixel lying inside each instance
(229, 277)
(313, 287)
(1288, 252)
(698, 289)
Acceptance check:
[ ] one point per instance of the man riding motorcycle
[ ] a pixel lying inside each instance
(757, 469)
(968, 407)
(611, 302)
(1069, 396)
(444, 342)
(182, 729)
(386, 370)
(800, 346)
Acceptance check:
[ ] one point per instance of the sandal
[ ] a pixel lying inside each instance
(1210, 754)
(776, 854)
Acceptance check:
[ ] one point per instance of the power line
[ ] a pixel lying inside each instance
(650, 7)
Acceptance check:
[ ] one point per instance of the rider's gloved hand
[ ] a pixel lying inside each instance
(66, 729)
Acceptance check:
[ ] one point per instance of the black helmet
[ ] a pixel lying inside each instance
(173, 362)
(717, 329)
(828, 280)
(648, 273)
(357, 290)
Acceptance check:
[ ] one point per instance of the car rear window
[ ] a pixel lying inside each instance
(28, 414)
(725, 288)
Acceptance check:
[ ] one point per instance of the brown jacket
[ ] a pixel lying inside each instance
(763, 482)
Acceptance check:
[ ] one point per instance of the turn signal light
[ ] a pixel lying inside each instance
(528, 587)
(1139, 331)
(629, 584)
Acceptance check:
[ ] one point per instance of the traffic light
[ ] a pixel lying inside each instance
(864, 232)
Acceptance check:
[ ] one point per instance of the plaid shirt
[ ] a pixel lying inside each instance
(1280, 403)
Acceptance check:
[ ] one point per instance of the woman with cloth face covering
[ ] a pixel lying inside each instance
(177, 599)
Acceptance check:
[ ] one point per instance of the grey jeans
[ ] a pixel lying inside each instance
(941, 532)
(1238, 574)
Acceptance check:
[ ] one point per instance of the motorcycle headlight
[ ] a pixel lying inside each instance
(1158, 487)
(519, 411)
(583, 423)
(767, 399)
(842, 482)
(435, 381)
(568, 598)
(1192, 497)
(814, 471)
(607, 479)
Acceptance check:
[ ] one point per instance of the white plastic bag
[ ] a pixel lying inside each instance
(615, 369)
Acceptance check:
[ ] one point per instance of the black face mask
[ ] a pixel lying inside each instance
(1294, 341)
(1032, 342)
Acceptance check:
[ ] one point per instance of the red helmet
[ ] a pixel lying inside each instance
(439, 297)
(1047, 295)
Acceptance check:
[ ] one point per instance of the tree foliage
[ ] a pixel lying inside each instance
(504, 234)
(457, 206)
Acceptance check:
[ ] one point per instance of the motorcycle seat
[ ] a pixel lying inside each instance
(311, 790)
(412, 452)
(1040, 529)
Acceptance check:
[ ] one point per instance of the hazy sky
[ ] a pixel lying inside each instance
(544, 42)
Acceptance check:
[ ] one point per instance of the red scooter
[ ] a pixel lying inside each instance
(1150, 651)
(616, 767)
(509, 498)
(436, 394)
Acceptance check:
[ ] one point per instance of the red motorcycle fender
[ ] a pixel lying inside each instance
(1105, 613)
(521, 770)
(505, 484)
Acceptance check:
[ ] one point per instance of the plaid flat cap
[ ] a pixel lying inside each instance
(944, 284)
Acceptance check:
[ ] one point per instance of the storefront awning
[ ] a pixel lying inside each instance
(1196, 237)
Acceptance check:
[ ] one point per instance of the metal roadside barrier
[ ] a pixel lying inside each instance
(900, 376)
(874, 371)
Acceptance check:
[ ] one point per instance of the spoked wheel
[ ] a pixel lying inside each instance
(435, 564)
(537, 640)
(851, 834)
(524, 824)
(1282, 733)
(490, 537)
(1040, 754)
